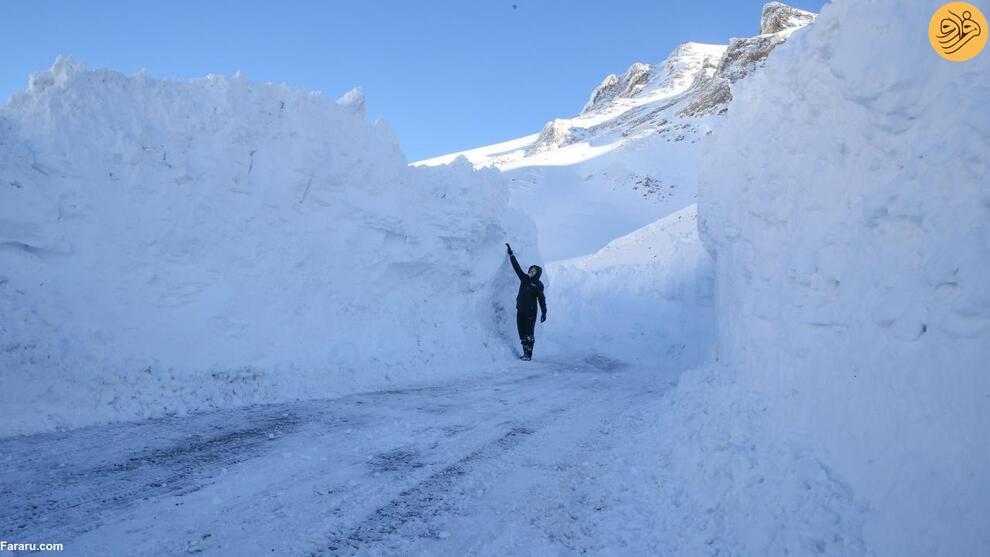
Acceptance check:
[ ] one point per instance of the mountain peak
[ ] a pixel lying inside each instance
(778, 17)
(665, 99)
(675, 72)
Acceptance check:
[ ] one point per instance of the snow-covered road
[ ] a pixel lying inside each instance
(540, 458)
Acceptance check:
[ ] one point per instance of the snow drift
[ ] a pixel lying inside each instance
(644, 298)
(847, 201)
(174, 246)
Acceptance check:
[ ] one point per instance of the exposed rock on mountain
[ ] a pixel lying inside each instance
(778, 17)
(630, 156)
(666, 98)
(711, 93)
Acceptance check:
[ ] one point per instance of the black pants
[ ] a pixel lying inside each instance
(526, 323)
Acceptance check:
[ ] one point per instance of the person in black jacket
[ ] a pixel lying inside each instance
(530, 292)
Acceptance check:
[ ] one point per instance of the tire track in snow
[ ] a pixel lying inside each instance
(413, 508)
(181, 467)
(455, 439)
(413, 513)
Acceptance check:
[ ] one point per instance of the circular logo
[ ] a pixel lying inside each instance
(958, 31)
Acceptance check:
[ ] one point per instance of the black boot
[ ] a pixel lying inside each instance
(527, 344)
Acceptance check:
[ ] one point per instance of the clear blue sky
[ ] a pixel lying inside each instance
(447, 75)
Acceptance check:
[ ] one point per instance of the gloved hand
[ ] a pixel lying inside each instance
(509, 248)
(543, 318)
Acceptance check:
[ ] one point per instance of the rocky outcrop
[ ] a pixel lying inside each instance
(603, 93)
(631, 83)
(555, 133)
(778, 17)
(744, 56)
(668, 98)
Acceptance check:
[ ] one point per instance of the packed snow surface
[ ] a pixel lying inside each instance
(173, 246)
(847, 201)
(559, 456)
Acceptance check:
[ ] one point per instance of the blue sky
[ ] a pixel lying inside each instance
(447, 75)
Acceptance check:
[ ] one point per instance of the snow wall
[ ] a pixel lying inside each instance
(171, 246)
(646, 298)
(847, 199)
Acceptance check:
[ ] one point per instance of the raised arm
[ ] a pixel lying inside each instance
(515, 264)
(517, 268)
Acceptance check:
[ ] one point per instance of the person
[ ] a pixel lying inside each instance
(530, 292)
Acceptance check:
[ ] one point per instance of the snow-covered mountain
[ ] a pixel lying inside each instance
(630, 156)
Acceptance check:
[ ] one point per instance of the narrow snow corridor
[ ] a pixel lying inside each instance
(237, 319)
(511, 463)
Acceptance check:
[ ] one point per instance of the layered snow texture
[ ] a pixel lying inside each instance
(176, 246)
(722, 483)
(847, 202)
(728, 486)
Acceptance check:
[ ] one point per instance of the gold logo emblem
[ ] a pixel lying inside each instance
(958, 31)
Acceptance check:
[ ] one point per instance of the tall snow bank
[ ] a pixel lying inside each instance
(645, 297)
(846, 197)
(175, 246)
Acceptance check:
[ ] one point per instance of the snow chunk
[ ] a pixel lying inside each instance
(353, 101)
(64, 68)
